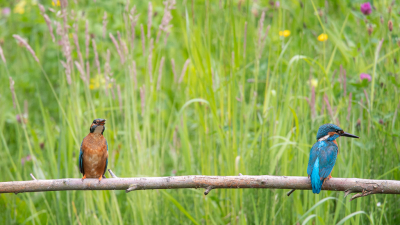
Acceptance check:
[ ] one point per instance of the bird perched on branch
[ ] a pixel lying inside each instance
(323, 155)
(93, 156)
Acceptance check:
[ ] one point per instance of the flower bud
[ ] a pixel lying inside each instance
(390, 25)
(370, 29)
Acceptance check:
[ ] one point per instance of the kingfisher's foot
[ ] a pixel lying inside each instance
(329, 177)
(84, 177)
(326, 179)
(101, 177)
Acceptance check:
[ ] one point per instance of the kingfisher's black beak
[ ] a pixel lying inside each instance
(102, 121)
(349, 135)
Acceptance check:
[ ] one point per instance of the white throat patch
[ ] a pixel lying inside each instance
(98, 129)
(324, 138)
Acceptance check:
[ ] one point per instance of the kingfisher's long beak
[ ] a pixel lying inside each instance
(102, 121)
(349, 135)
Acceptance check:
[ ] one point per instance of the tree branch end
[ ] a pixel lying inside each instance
(132, 187)
(290, 192)
(33, 177)
(112, 174)
(208, 189)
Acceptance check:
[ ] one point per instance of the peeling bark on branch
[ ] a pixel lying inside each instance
(363, 187)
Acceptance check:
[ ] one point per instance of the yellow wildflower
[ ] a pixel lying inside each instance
(314, 82)
(97, 82)
(322, 37)
(285, 33)
(58, 3)
(20, 7)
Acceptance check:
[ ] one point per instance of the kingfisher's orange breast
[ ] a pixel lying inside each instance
(94, 147)
(334, 141)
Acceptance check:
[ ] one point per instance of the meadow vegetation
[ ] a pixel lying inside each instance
(198, 87)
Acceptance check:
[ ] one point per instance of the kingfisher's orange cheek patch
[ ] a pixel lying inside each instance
(331, 133)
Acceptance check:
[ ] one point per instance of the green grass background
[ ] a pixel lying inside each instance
(233, 112)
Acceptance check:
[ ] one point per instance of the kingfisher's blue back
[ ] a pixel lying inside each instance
(323, 155)
(322, 159)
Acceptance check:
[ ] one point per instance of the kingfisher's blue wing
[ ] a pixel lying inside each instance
(327, 159)
(313, 156)
(105, 168)
(81, 160)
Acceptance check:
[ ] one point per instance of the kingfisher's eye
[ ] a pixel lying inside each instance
(94, 121)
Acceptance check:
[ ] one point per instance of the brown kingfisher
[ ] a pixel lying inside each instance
(93, 156)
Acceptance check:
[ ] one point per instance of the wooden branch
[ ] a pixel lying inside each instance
(33, 177)
(363, 187)
(112, 174)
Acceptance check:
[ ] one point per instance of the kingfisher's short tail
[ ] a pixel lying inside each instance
(316, 182)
